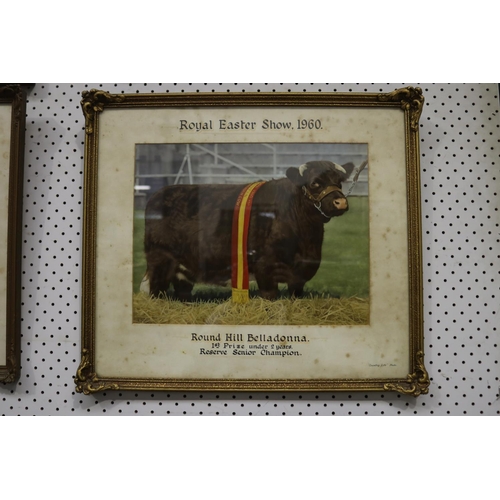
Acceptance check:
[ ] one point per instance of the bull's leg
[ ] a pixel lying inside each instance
(161, 267)
(301, 274)
(268, 291)
(183, 284)
(293, 277)
(267, 280)
(296, 288)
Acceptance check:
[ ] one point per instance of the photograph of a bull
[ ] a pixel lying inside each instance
(188, 231)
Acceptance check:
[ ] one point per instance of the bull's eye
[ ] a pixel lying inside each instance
(315, 184)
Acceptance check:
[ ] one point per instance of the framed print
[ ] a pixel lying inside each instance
(252, 242)
(12, 130)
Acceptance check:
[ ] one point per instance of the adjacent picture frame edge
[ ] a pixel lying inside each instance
(15, 94)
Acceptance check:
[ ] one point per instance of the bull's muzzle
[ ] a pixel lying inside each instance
(340, 203)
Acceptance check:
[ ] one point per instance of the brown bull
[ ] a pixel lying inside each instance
(188, 231)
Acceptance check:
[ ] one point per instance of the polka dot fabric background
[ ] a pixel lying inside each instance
(460, 160)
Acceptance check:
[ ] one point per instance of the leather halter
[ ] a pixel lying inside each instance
(317, 199)
(325, 192)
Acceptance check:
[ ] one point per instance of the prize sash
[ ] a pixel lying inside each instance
(239, 253)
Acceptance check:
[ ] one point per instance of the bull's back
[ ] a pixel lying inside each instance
(183, 208)
(193, 223)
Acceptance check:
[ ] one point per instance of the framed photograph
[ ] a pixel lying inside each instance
(252, 242)
(12, 131)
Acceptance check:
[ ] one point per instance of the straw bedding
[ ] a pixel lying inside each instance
(304, 311)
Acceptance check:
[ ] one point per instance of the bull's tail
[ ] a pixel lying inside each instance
(145, 287)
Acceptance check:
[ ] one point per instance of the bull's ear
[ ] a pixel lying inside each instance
(348, 167)
(294, 174)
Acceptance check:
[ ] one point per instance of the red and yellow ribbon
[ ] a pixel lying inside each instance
(241, 222)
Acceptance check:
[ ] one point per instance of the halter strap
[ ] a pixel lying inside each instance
(317, 199)
(325, 192)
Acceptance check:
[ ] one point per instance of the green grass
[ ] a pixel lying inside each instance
(344, 270)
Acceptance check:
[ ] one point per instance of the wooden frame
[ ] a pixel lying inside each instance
(119, 352)
(12, 133)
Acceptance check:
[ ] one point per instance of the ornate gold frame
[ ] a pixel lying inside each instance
(409, 100)
(14, 97)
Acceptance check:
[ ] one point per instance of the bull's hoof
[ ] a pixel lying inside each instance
(296, 294)
(158, 294)
(184, 296)
(269, 294)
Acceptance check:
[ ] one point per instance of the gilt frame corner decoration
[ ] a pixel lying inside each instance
(252, 242)
(12, 139)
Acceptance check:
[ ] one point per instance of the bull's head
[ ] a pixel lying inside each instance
(321, 183)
